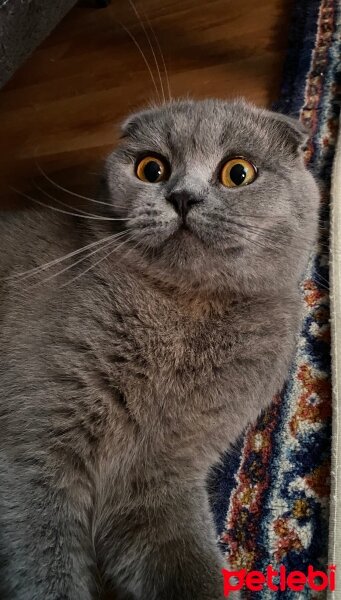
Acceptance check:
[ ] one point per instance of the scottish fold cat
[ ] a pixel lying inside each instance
(137, 342)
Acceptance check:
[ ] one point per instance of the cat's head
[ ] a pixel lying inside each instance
(216, 193)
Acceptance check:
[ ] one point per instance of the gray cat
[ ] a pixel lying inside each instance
(124, 377)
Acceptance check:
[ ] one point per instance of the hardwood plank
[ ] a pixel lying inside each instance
(63, 107)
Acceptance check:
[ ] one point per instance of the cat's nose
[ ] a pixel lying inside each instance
(183, 202)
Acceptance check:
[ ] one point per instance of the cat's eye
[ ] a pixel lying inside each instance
(237, 172)
(151, 169)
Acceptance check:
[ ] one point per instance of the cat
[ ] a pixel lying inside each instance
(128, 368)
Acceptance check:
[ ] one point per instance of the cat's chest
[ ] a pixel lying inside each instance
(168, 348)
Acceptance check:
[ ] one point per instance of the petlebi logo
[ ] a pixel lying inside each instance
(279, 580)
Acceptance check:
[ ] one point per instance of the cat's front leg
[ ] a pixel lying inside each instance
(45, 549)
(168, 552)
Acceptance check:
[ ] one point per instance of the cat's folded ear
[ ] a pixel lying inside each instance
(293, 133)
(131, 124)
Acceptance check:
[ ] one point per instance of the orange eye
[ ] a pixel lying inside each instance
(238, 172)
(151, 169)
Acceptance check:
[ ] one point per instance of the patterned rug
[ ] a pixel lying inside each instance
(270, 495)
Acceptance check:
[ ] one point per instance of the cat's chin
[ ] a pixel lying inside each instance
(183, 237)
(187, 237)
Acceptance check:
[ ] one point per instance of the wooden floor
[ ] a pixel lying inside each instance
(63, 107)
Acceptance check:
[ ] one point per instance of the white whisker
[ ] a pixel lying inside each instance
(160, 52)
(95, 264)
(134, 40)
(80, 260)
(81, 211)
(63, 189)
(25, 274)
(60, 202)
(150, 45)
(59, 210)
(252, 240)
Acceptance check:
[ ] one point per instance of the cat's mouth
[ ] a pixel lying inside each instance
(184, 226)
(185, 229)
(183, 232)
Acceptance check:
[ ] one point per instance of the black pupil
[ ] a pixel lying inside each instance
(238, 174)
(152, 171)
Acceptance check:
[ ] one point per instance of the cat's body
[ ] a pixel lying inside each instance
(121, 388)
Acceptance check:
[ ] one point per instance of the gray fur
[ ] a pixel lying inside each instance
(121, 389)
